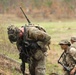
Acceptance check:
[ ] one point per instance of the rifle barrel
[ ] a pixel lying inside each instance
(25, 15)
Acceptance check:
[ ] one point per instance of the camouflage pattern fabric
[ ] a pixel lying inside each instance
(74, 45)
(36, 34)
(37, 67)
(65, 73)
(73, 38)
(13, 33)
(42, 39)
(69, 58)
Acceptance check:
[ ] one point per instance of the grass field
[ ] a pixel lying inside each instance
(57, 30)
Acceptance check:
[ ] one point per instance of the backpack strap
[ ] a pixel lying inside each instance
(40, 28)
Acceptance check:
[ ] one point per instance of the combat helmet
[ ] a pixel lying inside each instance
(65, 42)
(73, 39)
(12, 33)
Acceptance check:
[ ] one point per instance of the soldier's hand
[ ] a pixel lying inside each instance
(72, 71)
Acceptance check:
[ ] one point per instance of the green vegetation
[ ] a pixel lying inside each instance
(52, 11)
(48, 3)
(67, 1)
(57, 30)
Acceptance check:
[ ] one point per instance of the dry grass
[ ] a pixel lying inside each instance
(57, 30)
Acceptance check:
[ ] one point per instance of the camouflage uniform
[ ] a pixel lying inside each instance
(69, 56)
(39, 38)
(74, 45)
(37, 67)
(74, 41)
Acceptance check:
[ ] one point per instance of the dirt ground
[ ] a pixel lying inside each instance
(4, 69)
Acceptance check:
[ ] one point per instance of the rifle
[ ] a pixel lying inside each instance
(25, 34)
(25, 16)
(40, 28)
(24, 55)
(65, 67)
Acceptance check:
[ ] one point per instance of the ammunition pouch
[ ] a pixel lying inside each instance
(34, 45)
(38, 55)
(42, 46)
(31, 44)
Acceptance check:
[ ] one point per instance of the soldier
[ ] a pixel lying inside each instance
(32, 43)
(68, 57)
(73, 41)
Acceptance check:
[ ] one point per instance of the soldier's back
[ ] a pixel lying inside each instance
(37, 34)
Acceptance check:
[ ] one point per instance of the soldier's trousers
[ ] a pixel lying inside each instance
(66, 73)
(37, 67)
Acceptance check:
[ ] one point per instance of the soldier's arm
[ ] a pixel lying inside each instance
(18, 44)
(73, 53)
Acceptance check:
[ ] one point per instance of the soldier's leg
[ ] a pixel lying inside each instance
(23, 67)
(66, 73)
(40, 63)
(32, 67)
(40, 68)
